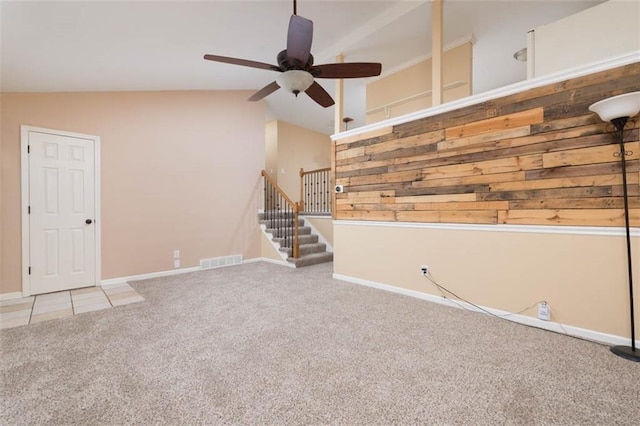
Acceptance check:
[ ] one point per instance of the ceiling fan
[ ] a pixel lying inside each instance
(295, 64)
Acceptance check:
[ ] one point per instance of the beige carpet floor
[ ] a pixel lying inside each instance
(265, 344)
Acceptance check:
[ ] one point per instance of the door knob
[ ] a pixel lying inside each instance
(88, 221)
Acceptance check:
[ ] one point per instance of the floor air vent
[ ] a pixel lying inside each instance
(217, 262)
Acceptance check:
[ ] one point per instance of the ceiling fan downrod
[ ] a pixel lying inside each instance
(295, 7)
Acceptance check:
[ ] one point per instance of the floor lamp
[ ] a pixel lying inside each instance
(617, 110)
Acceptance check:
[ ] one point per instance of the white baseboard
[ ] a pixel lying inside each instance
(120, 280)
(609, 339)
(112, 281)
(9, 296)
(269, 260)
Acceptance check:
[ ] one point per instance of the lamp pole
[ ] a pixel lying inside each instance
(618, 110)
(624, 351)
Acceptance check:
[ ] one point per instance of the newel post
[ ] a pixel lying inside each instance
(301, 189)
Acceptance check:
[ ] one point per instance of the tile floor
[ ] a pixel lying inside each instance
(44, 307)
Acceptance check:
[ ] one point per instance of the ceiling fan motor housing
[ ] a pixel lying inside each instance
(285, 64)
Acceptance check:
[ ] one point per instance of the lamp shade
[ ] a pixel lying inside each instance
(626, 105)
(295, 81)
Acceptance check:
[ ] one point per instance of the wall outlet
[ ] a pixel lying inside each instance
(176, 263)
(424, 270)
(544, 311)
(176, 254)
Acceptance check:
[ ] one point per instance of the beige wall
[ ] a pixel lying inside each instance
(604, 31)
(299, 148)
(271, 148)
(582, 277)
(393, 90)
(267, 248)
(324, 226)
(179, 170)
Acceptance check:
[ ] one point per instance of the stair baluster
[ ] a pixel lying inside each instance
(316, 191)
(283, 213)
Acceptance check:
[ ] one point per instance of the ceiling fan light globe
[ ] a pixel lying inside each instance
(295, 81)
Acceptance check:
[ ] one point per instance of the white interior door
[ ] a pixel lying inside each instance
(61, 212)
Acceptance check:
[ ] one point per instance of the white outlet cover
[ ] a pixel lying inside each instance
(176, 263)
(176, 254)
(544, 312)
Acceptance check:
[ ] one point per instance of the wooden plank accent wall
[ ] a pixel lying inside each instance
(538, 157)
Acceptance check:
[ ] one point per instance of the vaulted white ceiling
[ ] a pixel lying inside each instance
(54, 46)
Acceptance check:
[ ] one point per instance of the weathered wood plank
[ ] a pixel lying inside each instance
(574, 203)
(350, 153)
(437, 190)
(378, 187)
(599, 154)
(408, 142)
(470, 180)
(483, 138)
(404, 152)
(359, 160)
(542, 194)
(383, 215)
(584, 170)
(441, 198)
(502, 165)
(361, 172)
(367, 194)
(591, 217)
(611, 179)
(367, 142)
(360, 201)
(449, 216)
(503, 122)
(632, 190)
(566, 123)
(462, 205)
(386, 178)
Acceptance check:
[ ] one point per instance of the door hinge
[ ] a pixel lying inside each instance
(29, 270)
(28, 149)
(28, 209)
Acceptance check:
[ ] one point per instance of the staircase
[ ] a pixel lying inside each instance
(279, 228)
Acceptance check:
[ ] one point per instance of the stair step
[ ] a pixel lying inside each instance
(273, 223)
(302, 230)
(302, 239)
(305, 249)
(311, 259)
(275, 214)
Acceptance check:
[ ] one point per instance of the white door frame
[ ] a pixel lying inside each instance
(24, 180)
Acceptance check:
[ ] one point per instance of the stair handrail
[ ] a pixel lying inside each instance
(327, 187)
(295, 207)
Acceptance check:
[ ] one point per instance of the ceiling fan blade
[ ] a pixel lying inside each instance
(265, 91)
(299, 40)
(318, 94)
(243, 62)
(347, 70)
